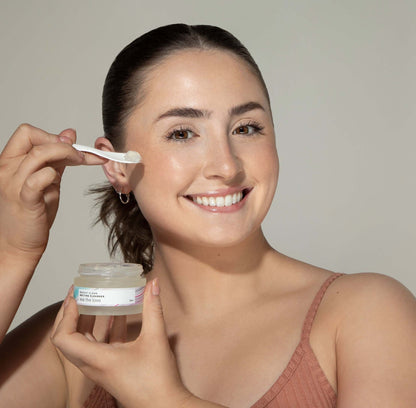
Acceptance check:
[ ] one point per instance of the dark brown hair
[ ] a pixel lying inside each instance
(123, 91)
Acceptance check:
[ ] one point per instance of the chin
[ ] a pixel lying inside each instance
(219, 238)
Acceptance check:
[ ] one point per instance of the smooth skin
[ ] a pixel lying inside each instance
(220, 301)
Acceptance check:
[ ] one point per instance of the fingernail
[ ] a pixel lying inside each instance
(155, 287)
(70, 290)
(66, 301)
(68, 296)
(65, 139)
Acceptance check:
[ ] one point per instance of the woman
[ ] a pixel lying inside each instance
(227, 320)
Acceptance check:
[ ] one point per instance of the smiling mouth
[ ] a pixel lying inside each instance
(219, 201)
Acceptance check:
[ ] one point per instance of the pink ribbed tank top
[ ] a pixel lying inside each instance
(302, 384)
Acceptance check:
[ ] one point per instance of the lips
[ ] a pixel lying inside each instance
(219, 200)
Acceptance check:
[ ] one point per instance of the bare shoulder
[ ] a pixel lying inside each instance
(368, 283)
(370, 293)
(375, 339)
(31, 373)
(31, 334)
(43, 320)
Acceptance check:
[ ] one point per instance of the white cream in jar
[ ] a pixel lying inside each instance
(109, 289)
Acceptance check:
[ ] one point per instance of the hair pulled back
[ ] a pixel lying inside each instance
(123, 90)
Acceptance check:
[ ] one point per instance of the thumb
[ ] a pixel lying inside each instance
(68, 136)
(153, 321)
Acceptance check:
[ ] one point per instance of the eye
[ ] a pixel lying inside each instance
(181, 134)
(248, 129)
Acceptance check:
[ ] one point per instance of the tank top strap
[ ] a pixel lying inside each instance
(313, 309)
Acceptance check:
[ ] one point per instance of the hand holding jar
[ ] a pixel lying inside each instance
(136, 372)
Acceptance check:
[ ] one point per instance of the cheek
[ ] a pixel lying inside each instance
(166, 175)
(262, 161)
(274, 164)
(272, 168)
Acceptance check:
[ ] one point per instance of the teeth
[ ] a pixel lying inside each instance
(223, 201)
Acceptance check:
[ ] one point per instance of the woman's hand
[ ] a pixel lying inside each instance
(31, 167)
(140, 373)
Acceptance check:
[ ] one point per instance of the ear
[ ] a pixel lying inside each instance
(115, 172)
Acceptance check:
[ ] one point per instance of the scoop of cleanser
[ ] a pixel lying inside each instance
(133, 156)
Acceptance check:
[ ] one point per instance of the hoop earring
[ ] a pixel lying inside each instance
(124, 198)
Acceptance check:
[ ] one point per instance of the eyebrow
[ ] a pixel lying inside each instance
(185, 112)
(245, 107)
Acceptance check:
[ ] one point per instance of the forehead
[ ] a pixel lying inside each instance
(208, 79)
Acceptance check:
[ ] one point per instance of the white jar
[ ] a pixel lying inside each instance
(109, 289)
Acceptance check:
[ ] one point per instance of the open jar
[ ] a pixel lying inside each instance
(109, 289)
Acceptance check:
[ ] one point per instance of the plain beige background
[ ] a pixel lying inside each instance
(341, 75)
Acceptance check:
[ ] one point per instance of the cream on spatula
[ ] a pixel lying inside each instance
(128, 157)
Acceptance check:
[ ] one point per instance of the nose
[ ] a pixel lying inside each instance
(222, 161)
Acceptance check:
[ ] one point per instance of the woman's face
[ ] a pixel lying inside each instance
(205, 132)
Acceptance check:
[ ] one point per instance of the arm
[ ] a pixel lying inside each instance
(29, 194)
(31, 167)
(31, 374)
(15, 273)
(376, 344)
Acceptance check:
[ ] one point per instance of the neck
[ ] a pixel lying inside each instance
(200, 282)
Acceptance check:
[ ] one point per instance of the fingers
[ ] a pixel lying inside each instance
(153, 321)
(147, 361)
(35, 185)
(118, 330)
(33, 160)
(68, 136)
(82, 351)
(27, 136)
(30, 141)
(37, 160)
(86, 326)
(24, 138)
(70, 313)
(92, 159)
(56, 155)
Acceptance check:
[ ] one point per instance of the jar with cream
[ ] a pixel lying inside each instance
(109, 289)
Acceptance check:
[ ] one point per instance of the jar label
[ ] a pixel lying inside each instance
(108, 296)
